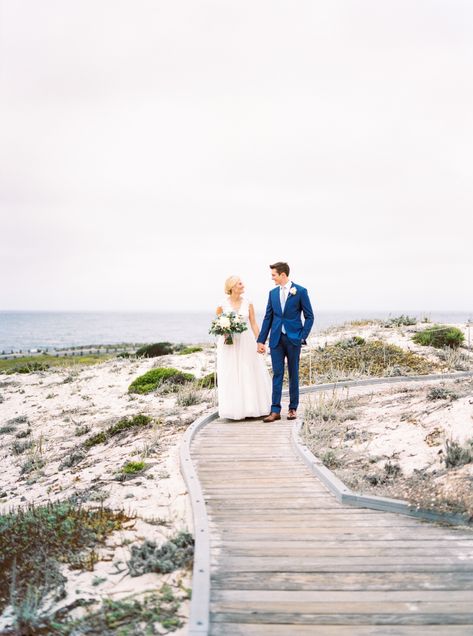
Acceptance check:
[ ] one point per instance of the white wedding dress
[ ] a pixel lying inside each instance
(244, 383)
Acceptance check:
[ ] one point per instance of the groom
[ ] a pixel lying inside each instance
(286, 303)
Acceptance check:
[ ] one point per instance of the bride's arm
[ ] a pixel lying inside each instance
(219, 310)
(253, 323)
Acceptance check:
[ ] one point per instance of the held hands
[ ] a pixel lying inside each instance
(260, 347)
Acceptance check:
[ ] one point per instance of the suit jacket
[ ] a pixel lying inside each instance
(274, 319)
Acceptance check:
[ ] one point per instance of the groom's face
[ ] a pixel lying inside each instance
(277, 278)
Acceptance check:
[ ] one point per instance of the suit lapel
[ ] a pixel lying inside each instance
(289, 296)
(277, 298)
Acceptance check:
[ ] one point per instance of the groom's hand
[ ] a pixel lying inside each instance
(261, 348)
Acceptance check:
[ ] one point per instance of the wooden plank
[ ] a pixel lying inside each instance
(274, 550)
(321, 534)
(315, 598)
(343, 580)
(370, 618)
(252, 629)
(443, 547)
(312, 519)
(330, 564)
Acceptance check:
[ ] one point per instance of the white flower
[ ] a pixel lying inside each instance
(293, 291)
(224, 321)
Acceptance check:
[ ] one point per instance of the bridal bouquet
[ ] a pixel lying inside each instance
(227, 324)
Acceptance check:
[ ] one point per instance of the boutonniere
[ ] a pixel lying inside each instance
(293, 291)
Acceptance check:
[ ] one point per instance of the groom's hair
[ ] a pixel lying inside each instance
(280, 268)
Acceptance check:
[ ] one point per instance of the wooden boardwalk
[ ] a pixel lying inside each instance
(288, 559)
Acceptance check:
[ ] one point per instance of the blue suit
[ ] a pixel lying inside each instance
(286, 345)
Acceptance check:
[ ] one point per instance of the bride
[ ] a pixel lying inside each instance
(244, 383)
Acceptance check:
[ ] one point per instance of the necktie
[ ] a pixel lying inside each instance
(283, 303)
(283, 297)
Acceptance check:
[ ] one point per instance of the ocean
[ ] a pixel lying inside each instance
(27, 330)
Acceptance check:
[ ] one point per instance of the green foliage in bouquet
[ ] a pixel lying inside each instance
(227, 324)
(150, 380)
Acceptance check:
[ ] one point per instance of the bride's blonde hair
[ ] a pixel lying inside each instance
(230, 284)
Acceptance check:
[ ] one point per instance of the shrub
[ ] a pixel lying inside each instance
(93, 440)
(20, 419)
(28, 367)
(125, 424)
(34, 540)
(8, 428)
(25, 433)
(131, 468)
(209, 381)
(440, 336)
(155, 350)
(20, 447)
(458, 455)
(131, 616)
(355, 341)
(189, 395)
(441, 393)
(176, 553)
(373, 357)
(187, 350)
(32, 463)
(82, 430)
(128, 423)
(400, 321)
(72, 459)
(155, 377)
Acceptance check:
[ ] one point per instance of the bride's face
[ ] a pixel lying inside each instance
(238, 288)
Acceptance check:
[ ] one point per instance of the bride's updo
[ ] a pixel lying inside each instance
(230, 284)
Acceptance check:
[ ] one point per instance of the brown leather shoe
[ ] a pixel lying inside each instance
(292, 415)
(272, 417)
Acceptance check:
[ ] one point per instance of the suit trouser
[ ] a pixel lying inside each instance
(285, 349)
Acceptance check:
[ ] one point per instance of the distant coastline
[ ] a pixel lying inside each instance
(26, 330)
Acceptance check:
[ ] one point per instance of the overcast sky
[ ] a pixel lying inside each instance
(150, 149)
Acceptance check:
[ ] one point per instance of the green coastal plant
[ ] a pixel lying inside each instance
(185, 351)
(155, 350)
(189, 394)
(176, 553)
(130, 616)
(74, 457)
(154, 378)
(440, 336)
(125, 424)
(36, 539)
(208, 381)
(131, 468)
(457, 454)
(31, 364)
(400, 321)
(354, 357)
(442, 393)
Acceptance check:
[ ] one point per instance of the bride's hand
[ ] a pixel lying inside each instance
(261, 348)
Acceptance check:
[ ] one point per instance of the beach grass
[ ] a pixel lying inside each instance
(30, 364)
